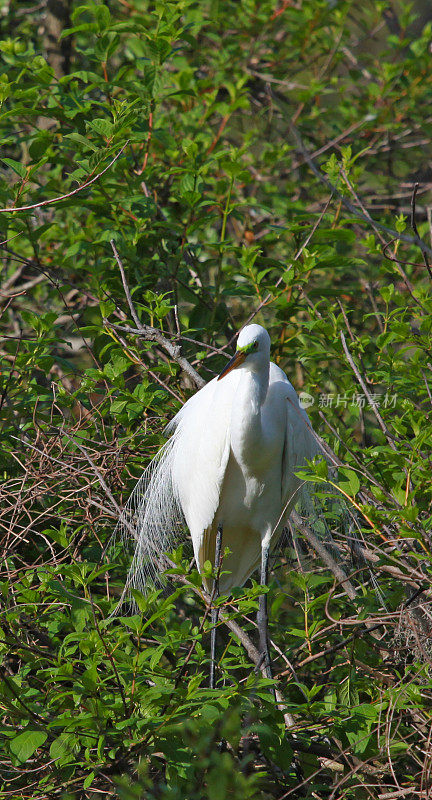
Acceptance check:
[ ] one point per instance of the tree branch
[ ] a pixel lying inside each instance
(413, 240)
(150, 334)
(134, 314)
(370, 399)
(69, 194)
(328, 560)
(414, 227)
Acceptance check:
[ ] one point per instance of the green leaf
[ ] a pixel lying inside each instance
(102, 126)
(62, 748)
(90, 678)
(79, 139)
(25, 744)
(89, 780)
(348, 481)
(16, 166)
(103, 17)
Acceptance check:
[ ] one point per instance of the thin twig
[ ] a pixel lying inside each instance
(323, 552)
(369, 397)
(96, 471)
(110, 659)
(366, 217)
(174, 351)
(69, 194)
(414, 226)
(134, 314)
(304, 244)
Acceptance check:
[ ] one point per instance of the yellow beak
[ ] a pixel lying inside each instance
(234, 362)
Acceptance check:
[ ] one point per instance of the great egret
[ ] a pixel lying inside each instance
(228, 472)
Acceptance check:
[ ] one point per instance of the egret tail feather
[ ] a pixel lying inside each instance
(152, 522)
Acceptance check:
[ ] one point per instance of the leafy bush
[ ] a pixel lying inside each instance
(220, 161)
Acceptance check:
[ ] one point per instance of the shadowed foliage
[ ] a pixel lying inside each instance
(169, 171)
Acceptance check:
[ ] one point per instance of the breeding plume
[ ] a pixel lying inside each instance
(227, 473)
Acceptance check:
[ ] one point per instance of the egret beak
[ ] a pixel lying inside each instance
(234, 362)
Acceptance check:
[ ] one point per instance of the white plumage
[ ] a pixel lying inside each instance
(230, 461)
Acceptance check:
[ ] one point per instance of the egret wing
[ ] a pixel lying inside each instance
(301, 443)
(181, 485)
(202, 433)
(319, 506)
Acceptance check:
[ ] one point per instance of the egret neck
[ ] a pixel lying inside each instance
(247, 435)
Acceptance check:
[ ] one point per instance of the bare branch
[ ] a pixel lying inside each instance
(366, 217)
(369, 397)
(16, 290)
(328, 560)
(134, 314)
(268, 297)
(69, 194)
(414, 226)
(150, 334)
(96, 471)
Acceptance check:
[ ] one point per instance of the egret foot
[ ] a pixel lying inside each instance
(215, 611)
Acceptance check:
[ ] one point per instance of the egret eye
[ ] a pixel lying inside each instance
(255, 345)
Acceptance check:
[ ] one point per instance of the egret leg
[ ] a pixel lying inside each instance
(215, 611)
(262, 616)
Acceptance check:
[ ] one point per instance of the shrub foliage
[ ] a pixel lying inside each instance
(169, 171)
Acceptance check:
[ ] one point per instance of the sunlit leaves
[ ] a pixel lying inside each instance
(216, 213)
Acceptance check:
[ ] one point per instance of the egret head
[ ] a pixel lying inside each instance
(253, 350)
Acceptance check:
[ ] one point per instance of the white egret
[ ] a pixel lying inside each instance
(228, 472)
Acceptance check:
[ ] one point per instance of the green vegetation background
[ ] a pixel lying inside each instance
(255, 157)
